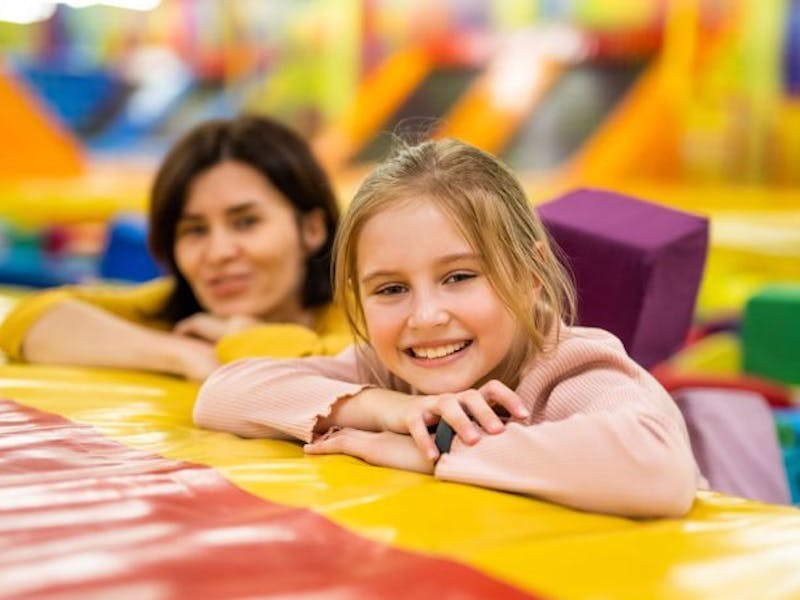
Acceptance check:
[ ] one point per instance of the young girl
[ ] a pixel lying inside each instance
(449, 282)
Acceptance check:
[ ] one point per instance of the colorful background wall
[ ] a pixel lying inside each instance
(690, 103)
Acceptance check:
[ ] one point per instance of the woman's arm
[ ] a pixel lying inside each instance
(76, 333)
(135, 303)
(329, 337)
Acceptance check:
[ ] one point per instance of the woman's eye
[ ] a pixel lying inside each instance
(390, 290)
(460, 276)
(191, 230)
(245, 222)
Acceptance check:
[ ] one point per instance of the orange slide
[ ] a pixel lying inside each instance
(36, 144)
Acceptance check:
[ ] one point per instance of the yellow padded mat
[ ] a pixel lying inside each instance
(726, 548)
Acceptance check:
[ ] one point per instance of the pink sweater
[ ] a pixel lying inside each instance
(603, 435)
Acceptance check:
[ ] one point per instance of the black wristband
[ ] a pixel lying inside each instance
(444, 437)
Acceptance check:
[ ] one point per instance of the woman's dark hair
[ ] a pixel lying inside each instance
(270, 148)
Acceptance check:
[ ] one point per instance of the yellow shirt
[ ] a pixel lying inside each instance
(138, 303)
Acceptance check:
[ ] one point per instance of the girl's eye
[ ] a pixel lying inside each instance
(460, 276)
(390, 290)
(245, 221)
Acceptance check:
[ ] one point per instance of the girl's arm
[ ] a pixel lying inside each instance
(626, 463)
(604, 437)
(295, 398)
(302, 397)
(77, 333)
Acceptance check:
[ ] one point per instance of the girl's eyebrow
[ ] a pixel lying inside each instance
(442, 261)
(451, 258)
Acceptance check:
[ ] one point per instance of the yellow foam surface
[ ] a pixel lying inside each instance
(719, 354)
(726, 548)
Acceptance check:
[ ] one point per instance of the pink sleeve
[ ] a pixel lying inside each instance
(279, 398)
(604, 436)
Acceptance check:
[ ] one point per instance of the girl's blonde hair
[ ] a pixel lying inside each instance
(486, 203)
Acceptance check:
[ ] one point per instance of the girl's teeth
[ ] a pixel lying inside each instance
(438, 352)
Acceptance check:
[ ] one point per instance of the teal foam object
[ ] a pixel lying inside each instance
(771, 334)
(787, 422)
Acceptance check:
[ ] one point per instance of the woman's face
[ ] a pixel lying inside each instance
(242, 247)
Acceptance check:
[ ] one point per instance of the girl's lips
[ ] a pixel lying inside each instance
(439, 361)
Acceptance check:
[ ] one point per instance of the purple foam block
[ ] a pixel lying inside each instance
(735, 443)
(637, 266)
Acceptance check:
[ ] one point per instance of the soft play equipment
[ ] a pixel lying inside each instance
(82, 99)
(735, 442)
(108, 488)
(637, 266)
(771, 333)
(125, 255)
(417, 82)
(787, 421)
(717, 353)
(42, 257)
(42, 145)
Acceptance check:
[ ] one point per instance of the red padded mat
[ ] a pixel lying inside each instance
(84, 516)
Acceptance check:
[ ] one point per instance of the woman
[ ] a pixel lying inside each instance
(243, 218)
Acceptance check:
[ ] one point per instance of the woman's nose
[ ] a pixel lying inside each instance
(221, 245)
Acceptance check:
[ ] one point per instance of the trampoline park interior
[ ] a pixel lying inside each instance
(651, 110)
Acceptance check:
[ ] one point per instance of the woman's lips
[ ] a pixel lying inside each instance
(223, 287)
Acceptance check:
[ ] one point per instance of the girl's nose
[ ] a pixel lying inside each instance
(428, 311)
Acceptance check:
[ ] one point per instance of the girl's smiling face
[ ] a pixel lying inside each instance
(431, 313)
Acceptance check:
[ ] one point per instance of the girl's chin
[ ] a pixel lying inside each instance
(430, 389)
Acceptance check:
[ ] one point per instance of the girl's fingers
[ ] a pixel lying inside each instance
(418, 430)
(481, 411)
(338, 442)
(451, 410)
(495, 391)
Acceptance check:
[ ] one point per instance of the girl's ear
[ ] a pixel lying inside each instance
(313, 230)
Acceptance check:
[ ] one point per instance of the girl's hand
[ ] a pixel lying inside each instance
(458, 410)
(211, 328)
(384, 448)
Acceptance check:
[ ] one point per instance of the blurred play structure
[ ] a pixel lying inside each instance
(660, 140)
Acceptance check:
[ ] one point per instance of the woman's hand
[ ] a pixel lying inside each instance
(415, 415)
(384, 448)
(212, 328)
(194, 359)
